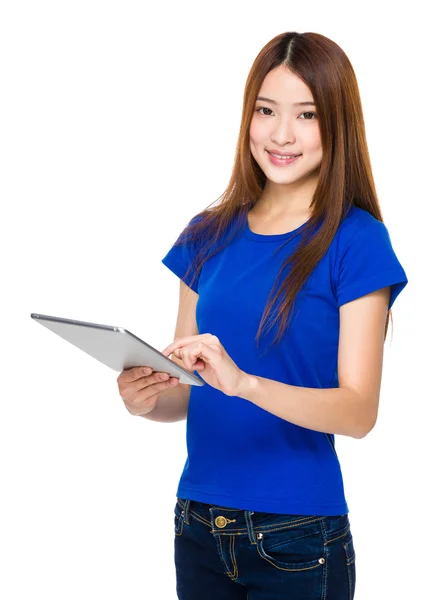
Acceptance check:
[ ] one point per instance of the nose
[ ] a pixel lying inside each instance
(283, 132)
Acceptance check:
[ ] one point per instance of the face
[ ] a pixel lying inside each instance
(284, 128)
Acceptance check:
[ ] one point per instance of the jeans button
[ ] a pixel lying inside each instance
(220, 522)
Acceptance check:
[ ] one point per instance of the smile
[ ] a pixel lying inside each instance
(282, 160)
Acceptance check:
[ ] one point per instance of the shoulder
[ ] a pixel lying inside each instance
(189, 233)
(359, 227)
(207, 230)
(356, 221)
(364, 259)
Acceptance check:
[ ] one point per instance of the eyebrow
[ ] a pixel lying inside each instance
(308, 103)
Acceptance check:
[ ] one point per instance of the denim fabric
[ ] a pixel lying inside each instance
(230, 554)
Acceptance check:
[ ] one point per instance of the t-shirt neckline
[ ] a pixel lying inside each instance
(276, 237)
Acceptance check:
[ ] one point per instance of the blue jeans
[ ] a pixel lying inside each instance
(231, 554)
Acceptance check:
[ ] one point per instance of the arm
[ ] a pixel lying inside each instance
(352, 408)
(172, 404)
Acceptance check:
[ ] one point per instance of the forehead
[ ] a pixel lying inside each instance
(284, 87)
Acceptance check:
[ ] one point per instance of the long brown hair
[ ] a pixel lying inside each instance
(345, 176)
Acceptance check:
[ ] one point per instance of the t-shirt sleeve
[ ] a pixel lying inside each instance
(179, 257)
(367, 262)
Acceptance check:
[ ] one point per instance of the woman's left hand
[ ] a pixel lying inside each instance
(205, 354)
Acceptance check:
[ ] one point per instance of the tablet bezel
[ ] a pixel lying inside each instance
(170, 366)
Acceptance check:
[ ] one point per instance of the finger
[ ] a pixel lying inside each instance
(144, 383)
(155, 388)
(189, 356)
(149, 381)
(129, 375)
(197, 354)
(180, 342)
(145, 393)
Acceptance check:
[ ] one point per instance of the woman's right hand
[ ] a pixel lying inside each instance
(140, 388)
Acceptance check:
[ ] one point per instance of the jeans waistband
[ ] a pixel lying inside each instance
(233, 521)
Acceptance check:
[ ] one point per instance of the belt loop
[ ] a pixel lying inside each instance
(250, 526)
(186, 511)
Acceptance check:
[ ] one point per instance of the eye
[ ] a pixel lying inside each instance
(313, 114)
(262, 108)
(309, 113)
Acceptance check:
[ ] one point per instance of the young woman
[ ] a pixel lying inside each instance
(261, 510)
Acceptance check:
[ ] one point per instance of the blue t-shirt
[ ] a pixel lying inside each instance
(240, 455)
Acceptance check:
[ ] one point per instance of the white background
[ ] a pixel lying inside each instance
(118, 124)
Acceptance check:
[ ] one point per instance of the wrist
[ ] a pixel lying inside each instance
(148, 412)
(247, 383)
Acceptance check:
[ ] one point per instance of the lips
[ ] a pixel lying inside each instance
(280, 161)
(278, 154)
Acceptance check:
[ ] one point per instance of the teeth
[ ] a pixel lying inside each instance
(282, 157)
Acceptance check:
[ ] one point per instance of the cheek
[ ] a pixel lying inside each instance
(253, 141)
(255, 132)
(318, 150)
(313, 140)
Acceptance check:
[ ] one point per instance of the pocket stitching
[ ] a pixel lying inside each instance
(313, 564)
(277, 544)
(350, 566)
(288, 524)
(350, 555)
(178, 526)
(343, 532)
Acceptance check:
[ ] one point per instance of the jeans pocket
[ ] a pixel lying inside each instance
(179, 515)
(350, 564)
(298, 548)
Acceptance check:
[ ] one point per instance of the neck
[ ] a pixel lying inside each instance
(283, 199)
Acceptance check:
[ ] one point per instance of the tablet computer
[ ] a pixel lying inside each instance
(115, 347)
